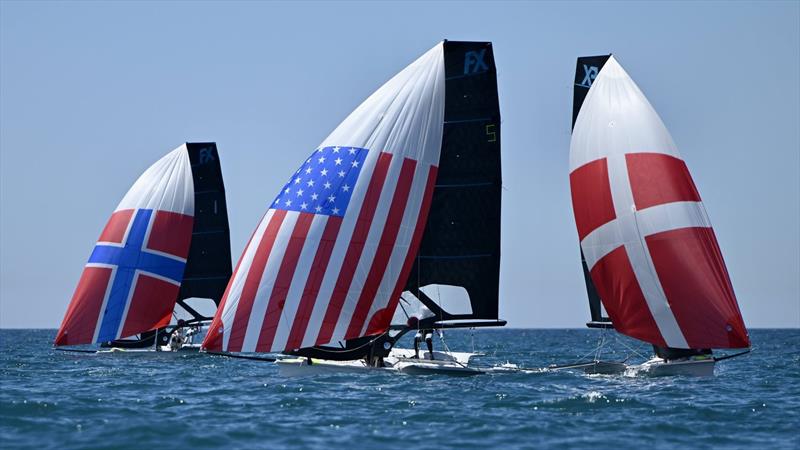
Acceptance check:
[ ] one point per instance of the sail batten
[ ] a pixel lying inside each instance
(646, 241)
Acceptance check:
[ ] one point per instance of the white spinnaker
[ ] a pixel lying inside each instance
(167, 185)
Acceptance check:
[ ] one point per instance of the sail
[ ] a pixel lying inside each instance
(337, 243)
(585, 73)
(643, 229)
(132, 278)
(461, 242)
(208, 267)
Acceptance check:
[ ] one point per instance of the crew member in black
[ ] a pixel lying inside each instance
(427, 336)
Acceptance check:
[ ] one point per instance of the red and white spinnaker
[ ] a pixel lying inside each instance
(645, 234)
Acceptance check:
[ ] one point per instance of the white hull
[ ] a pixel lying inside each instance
(399, 360)
(163, 350)
(658, 367)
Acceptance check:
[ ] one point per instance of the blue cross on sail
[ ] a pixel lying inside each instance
(131, 281)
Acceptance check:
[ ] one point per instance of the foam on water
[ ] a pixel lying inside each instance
(50, 399)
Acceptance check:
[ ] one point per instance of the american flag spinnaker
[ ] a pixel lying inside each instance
(328, 260)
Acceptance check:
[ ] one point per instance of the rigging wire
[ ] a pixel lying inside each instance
(629, 348)
(600, 346)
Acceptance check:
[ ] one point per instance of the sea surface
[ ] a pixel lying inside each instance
(51, 399)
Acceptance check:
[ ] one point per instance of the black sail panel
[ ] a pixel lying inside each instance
(586, 70)
(461, 242)
(208, 267)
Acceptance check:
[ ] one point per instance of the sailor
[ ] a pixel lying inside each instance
(427, 336)
(178, 337)
(423, 334)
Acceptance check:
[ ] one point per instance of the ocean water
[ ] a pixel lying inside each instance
(51, 399)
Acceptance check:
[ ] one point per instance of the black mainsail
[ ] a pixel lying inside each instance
(586, 71)
(461, 242)
(208, 267)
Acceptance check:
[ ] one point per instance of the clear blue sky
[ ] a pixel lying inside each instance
(93, 93)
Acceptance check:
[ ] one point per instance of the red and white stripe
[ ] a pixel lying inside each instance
(307, 279)
(640, 221)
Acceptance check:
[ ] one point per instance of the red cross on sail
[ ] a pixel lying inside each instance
(645, 234)
(329, 258)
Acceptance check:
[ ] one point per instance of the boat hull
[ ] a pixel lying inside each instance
(399, 360)
(658, 367)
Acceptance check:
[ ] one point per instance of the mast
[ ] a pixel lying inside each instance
(647, 242)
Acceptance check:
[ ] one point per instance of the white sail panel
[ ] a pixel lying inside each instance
(616, 113)
(167, 185)
(328, 255)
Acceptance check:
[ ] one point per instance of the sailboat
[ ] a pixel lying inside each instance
(649, 254)
(402, 196)
(164, 252)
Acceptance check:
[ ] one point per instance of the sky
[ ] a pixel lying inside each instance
(93, 93)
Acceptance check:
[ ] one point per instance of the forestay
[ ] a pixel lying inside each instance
(645, 234)
(337, 243)
(132, 278)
